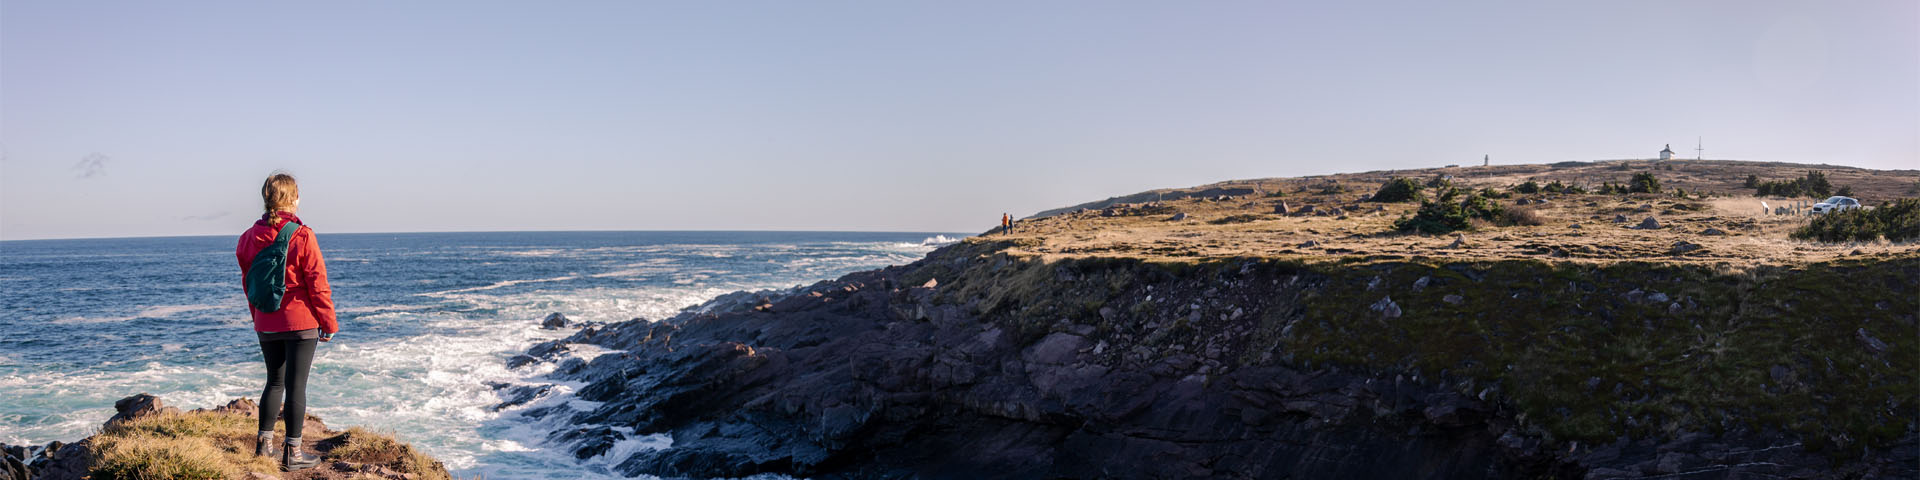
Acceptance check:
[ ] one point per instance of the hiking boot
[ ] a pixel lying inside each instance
(292, 459)
(263, 446)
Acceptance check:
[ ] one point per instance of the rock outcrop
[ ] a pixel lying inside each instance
(386, 458)
(974, 364)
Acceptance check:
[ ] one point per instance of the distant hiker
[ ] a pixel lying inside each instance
(1006, 224)
(292, 307)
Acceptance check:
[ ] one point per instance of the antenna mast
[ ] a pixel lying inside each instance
(1699, 152)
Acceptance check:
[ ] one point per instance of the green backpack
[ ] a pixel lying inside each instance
(266, 279)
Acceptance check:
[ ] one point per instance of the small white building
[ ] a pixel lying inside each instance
(1667, 153)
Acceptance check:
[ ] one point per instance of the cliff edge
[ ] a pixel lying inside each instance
(1199, 340)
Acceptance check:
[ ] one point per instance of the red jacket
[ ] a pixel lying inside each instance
(309, 301)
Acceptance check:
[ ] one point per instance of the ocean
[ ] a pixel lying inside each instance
(427, 320)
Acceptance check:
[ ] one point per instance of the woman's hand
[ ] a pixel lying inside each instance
(326, 337)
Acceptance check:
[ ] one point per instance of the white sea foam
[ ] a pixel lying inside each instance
(499, 284)
(431, 388)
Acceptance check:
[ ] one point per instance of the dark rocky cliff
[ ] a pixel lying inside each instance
(975, 364)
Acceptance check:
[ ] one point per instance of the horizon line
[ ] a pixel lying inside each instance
(509, 231)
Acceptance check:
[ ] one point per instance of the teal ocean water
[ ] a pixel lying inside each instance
(427, 320)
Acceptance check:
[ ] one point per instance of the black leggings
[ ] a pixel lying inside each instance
(287, 364)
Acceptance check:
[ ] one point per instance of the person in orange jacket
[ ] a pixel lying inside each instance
(288, 336)
(1006, 224)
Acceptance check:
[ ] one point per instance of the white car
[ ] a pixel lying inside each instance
(1835, 204)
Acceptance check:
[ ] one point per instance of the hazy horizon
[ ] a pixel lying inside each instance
(130, 119)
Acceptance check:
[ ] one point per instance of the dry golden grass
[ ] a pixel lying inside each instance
(1727, 228)
(193, 445)
(359, 445)
(219, 445)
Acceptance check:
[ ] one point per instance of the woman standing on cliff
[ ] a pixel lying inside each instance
(304, 318)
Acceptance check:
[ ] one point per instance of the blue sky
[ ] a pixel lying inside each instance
(161, 118)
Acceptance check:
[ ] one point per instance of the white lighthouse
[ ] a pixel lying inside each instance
(1667, 153)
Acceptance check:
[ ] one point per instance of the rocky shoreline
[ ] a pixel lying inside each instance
(973, 363)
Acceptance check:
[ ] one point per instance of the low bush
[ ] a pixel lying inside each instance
(1241, 218)
(1814, 184)
(1452, 211)
(1896, 221)
(1398, 189)
(1643, 182)
(1522, 216)
(1530, 187)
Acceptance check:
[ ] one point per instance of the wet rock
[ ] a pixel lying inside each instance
(1648, 224)
(521, 360)
(12, 468)
(520, 395)
(70, 462)
(1386, 307)
(555, 320)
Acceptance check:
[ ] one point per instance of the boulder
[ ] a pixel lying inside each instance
(1648, 224)
(554, 321)
(1459, 241)
(1574, 226)
(1713, 232)
(12, 468)
(1178, 217)
(1386, 307)
(138, 406)
(1281, 208)
(1684, 246)
(70, 462)
(1620, 218)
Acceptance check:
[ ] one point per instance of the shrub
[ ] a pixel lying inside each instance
(1450, 212)
(1241, 218)
(1440, 181)
(1489, 192)
(1333, 188)
(1529, 188)
(1643, 182)
(1523, 216)
(1897, 221)
(1752, 181)
(1398, 189)
(1607, 188)
(1814, 184)
(1845, 191)
(1555, 187)
(1576, 189)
